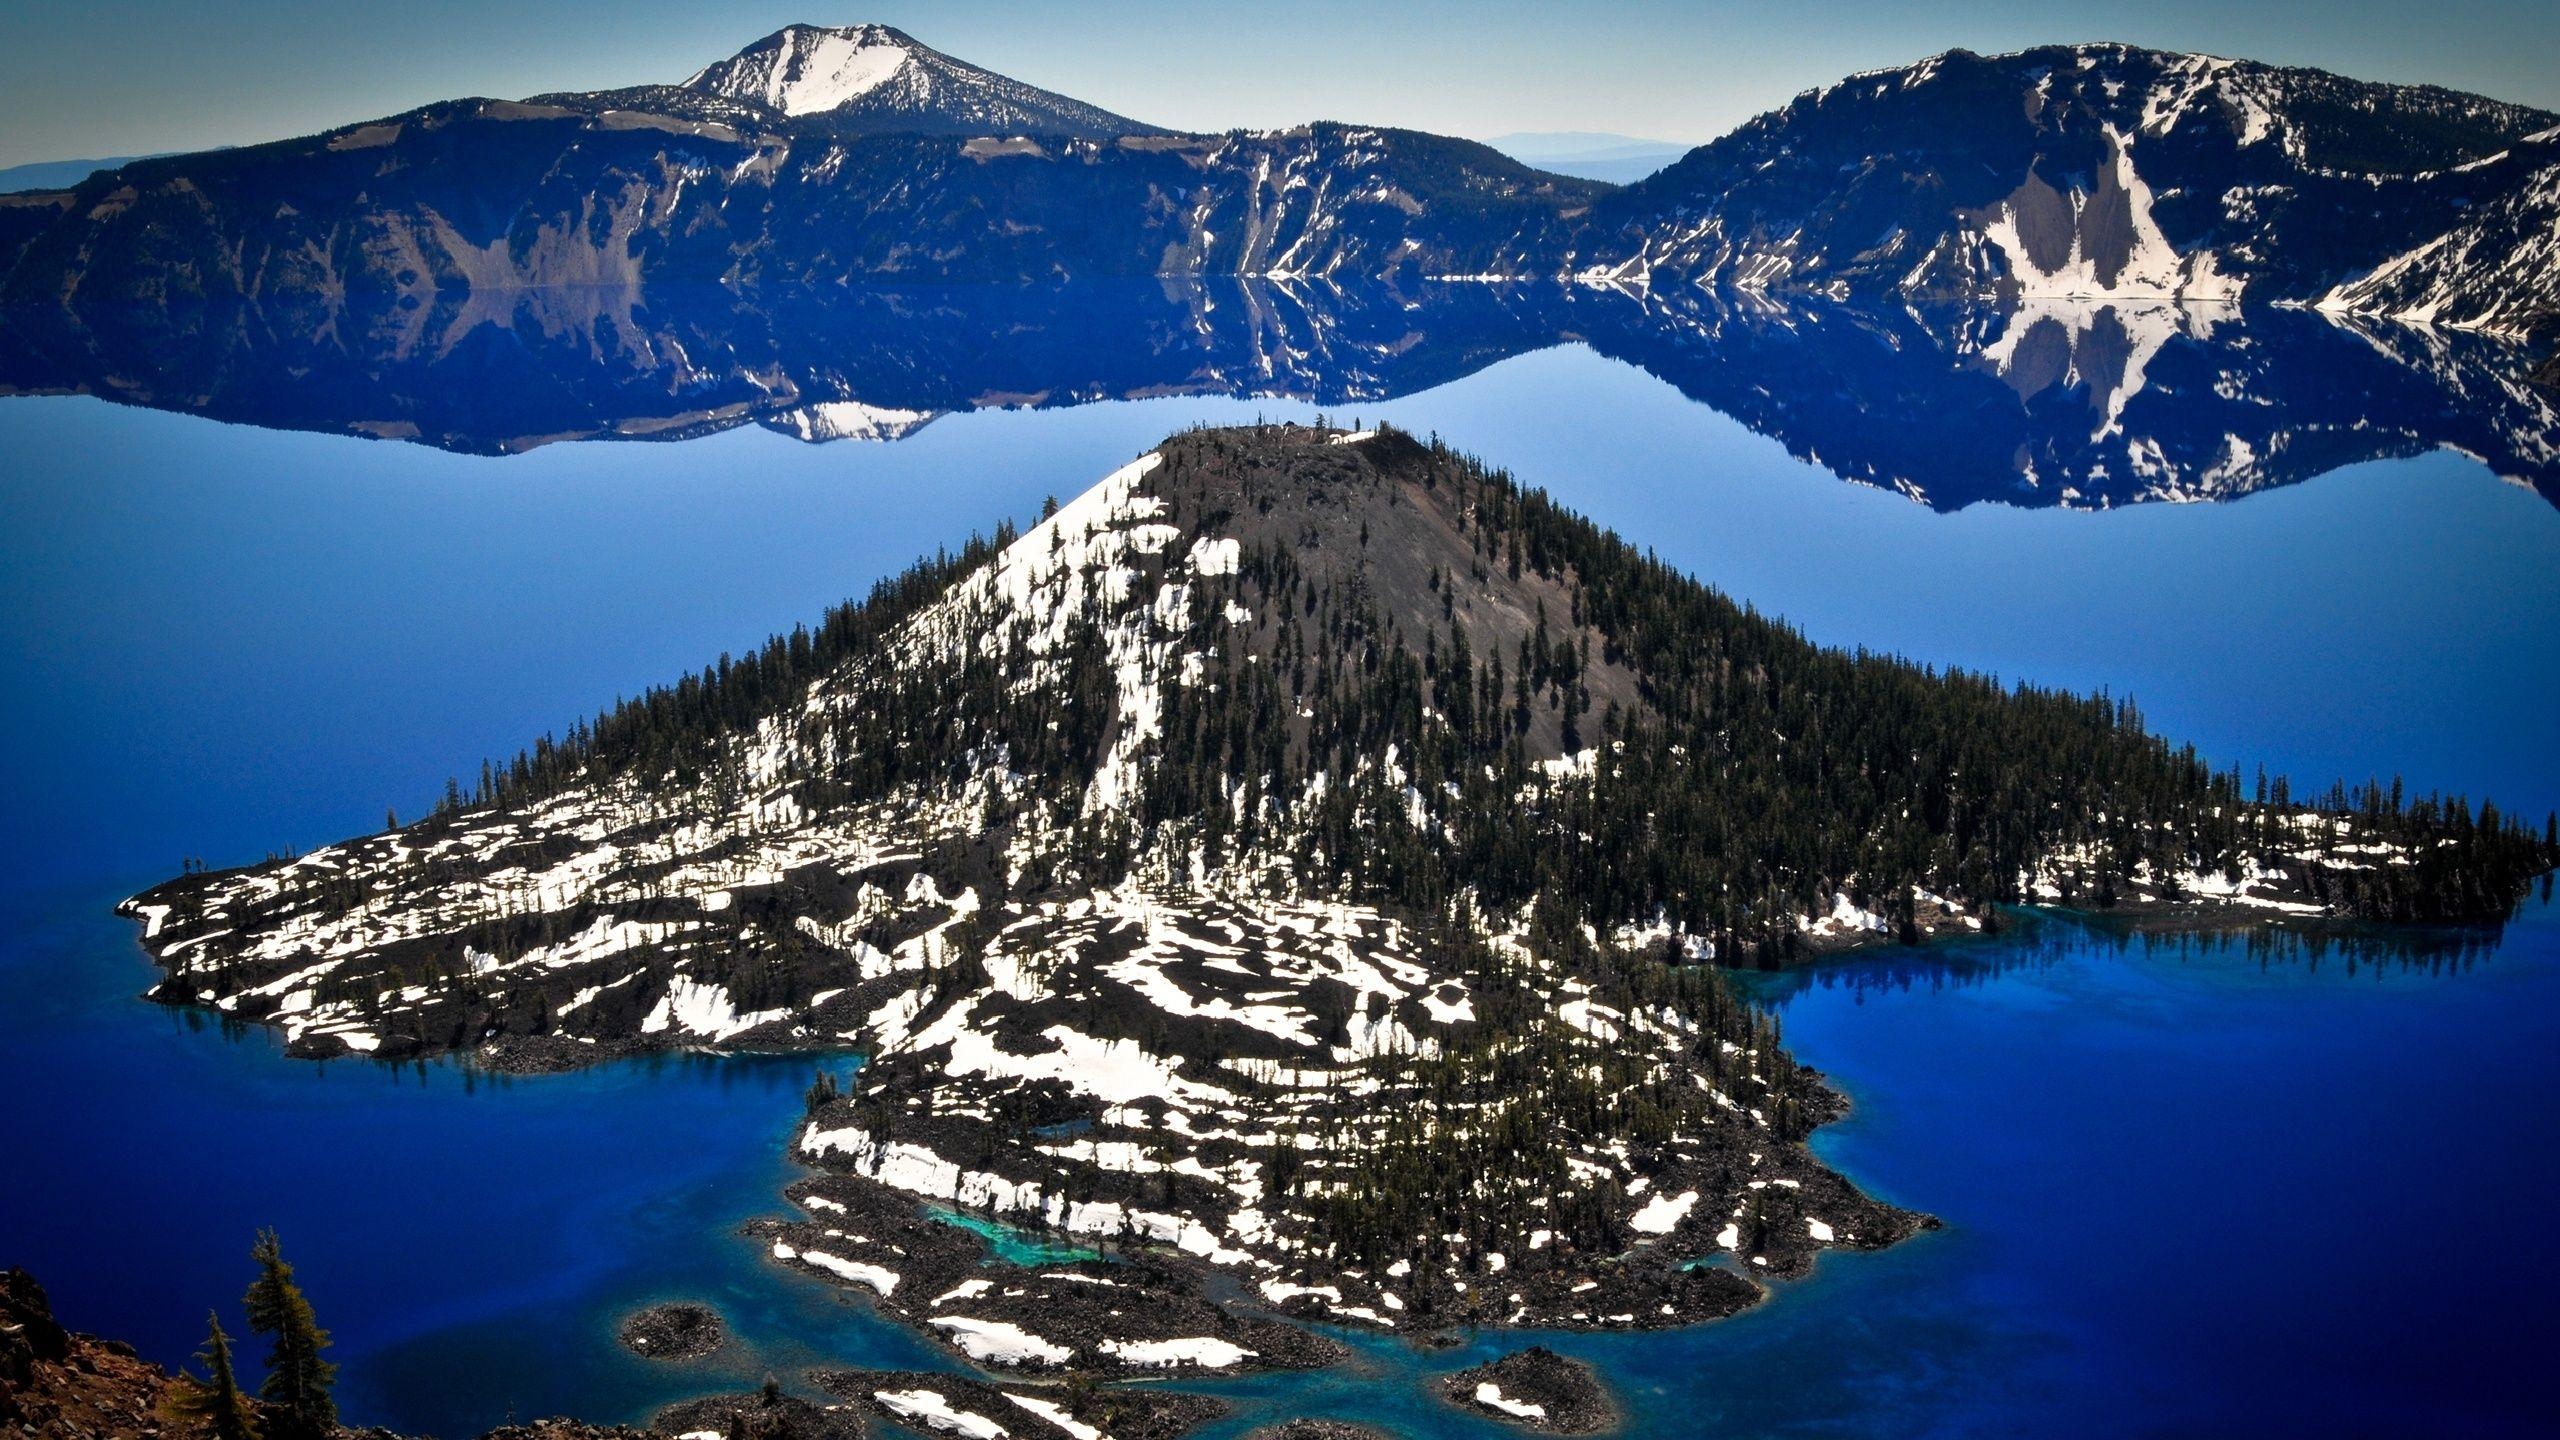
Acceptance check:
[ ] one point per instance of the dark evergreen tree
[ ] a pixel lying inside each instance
(298, 1379)
(214, 1404)
(822, 1090)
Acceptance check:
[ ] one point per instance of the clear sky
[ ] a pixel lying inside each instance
(84, 78)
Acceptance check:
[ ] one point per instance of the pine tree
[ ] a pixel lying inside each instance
(297, 1378)
(821, 1092)
(215, 1403)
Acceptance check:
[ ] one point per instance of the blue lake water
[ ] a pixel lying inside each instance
(2186, 1192)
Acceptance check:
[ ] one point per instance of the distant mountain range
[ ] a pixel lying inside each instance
(57, 174)
(812, 158)
(1589, 155)
(820, 157)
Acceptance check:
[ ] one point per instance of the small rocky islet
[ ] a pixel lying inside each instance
(678, 1330)
(1536, 1389)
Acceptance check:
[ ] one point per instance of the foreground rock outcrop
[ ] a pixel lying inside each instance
(54, 1382)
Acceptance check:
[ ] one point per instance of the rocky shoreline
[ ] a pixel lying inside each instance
(1135, 1314)
(767, 1414)
(1140, 1306)
(932, 1401)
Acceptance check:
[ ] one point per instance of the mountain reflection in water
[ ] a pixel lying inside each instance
(2041, 939)
(2055, 403)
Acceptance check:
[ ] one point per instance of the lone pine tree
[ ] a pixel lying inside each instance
(298, 1380)
(214, 1404)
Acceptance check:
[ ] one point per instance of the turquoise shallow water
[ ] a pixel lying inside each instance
(1012, 1244)
(2187, 1192)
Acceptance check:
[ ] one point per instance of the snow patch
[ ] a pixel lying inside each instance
(937, 1413)
(997, 1343)
(1490, 1395)
(1663, 1213)
(1204, 1351)
(807, 70)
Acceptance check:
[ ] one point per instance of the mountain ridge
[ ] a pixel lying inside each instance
(2084, 172)
(553, 195)
(2087, 171)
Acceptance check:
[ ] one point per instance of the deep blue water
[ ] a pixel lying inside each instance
(2185, 1194)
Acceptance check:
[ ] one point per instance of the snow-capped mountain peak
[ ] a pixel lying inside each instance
(804, 69)
(876, 78)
